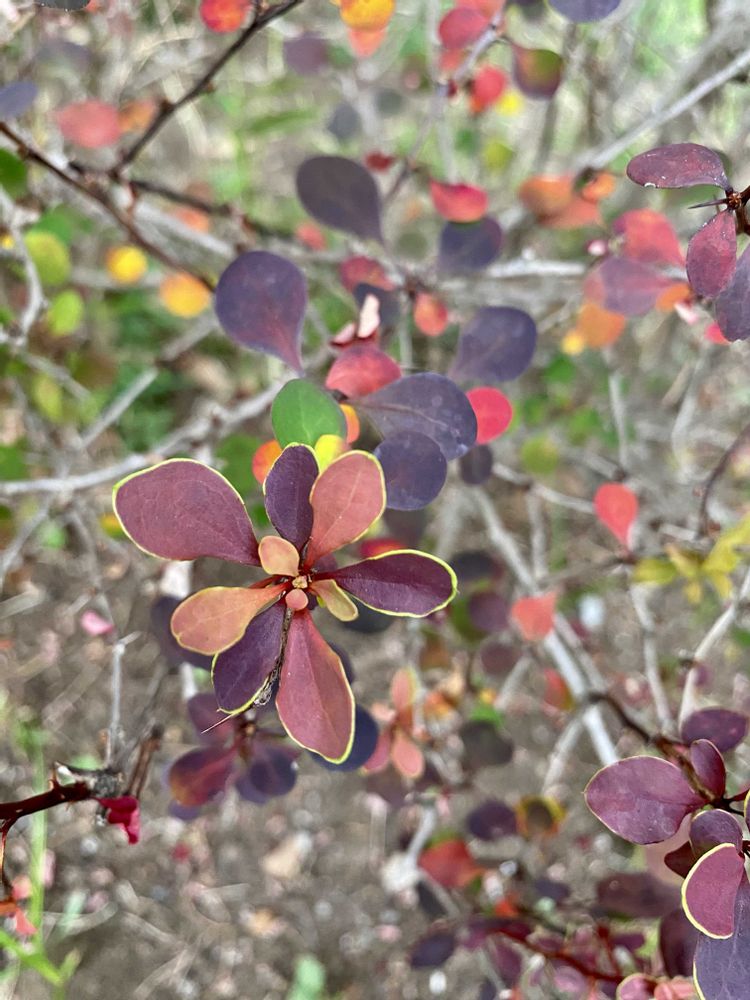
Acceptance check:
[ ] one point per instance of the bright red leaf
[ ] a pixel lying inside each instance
(458, 202)
(616, 506)
(493, 410)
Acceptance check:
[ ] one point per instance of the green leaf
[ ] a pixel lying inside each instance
(235, 453)
(12, 174)
(48, 397)
(539, 456)
(65, 312)
(12, 461)
(301, 413)
(50, 256)
(309, 979)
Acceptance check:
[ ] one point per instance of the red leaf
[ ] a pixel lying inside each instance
(648, 236)
(712, 255)
(200, 775)
(487, 86)
(450, 864)
(458, 202)
(534, 616)
(123, 811)
(314, 700)
(224, 15)
(91, 124)
(346, 499)
(683, 164)
(493, 410)
(461, 27)
(363, 271)
(182, 509)
(616, 506)
(430, 314)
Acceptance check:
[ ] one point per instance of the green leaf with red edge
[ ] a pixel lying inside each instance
(200, 775)
(493, 410)
(260, 301)
(616, 506)
(90, 124)
(214, 619)
(362, 369)
(314, 700)
(682, 164)
(537, 72)
(642, 799)
(287, 493)
(404, 583)
(347, 498)
(240, 672)
(461, 27)
(458, 202)
(712, 255)
(450, 864)
(534, 616)
(710, 891)
(181, 509)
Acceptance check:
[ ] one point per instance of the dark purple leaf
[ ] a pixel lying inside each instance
(200, 775)
(496, 345)
(272, 771)
(407, 526)
(342, 194)
(711, 255)
(733, 304)
(677, 941)
(260, 301)
(581, 11)
(683, 164)
(368, 621)
(725, 729)
(506, 960)
(681, 860)
(204, 713)
(488, 611)
(469, 246)
(175, 654)
(414, 468)
(710, 890)
(722, 966)
(427, 403)
(625, 286)
(241, 671)
(402, 583)
(709, 766)
(714, 827)
(63, 4)
(491, 820)
(287, 494)
(345, 122)
(474, 566)
(16, 97)
(476, 465)
(484, 746)
(642, 799)
(388, 302)
(184, 813)
(433, 950)
(181, 509)
(548, 888)
(365, 739)
(306, 54)
(636, 895)
(498, 658)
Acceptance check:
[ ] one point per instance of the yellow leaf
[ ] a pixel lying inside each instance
(688, 564)
(657, 571)
(367, 15)
(126, 264)
(327, 448)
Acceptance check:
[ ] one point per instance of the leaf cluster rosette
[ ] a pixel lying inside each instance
(182, 509)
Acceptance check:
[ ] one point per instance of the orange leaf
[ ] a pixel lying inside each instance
(597, 326)
(458, 202)
(450, 864)
(183, 295)
(617, 508)
(264, 458)
(430, 314)
(534, 616)
(214, 619)
(406, 756)
(222, 16)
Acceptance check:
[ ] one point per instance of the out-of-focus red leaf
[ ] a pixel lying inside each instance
(360, 370)
(430, 314)
(648, 236)
(450, 864)
(493, 410)
(461, 27)
(222, 16)
(91, 124)
(488, 86)
(616, 506)
(458, 202)
(363, 271)
(534, 616)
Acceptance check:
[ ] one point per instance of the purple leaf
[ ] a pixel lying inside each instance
(733, 304)
(399, 583)
(287, 489)
(491, 820)
(710, 890)
(641, 799)
(709, 766)
(711, 255)
(314, 700)
(200, 775)
(636, 895)
(714, 827)
(414, 468)
(240, 672)
(16, 97)
(722, 966)
(204, 713)
(272, 771)
(427, 403)
(681, 859)
(307, 54)
(476, 465)
(484, 746)
(433, 950)
(725, 729)
(260, 301)
(488, 611)
(581, 11)
(181, 509)
(677, 941)
(625, 286)
(496, 345)
(469, 246)
(684, 164)
(342, 194)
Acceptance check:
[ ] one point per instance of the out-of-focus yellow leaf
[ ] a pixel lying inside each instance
(367, 15)
(183, 295)
(126, 264)
(657, 571)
